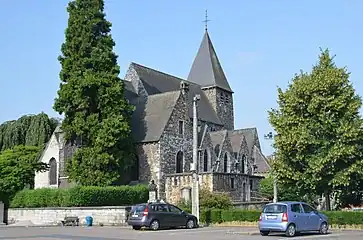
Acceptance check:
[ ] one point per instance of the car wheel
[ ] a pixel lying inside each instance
(291, 230)
(136, 227)
(190, 224)
(323, 228)
(264, 233)
(154, 225)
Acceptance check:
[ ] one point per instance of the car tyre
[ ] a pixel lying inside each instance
(136, 227)
(264, 233)
(155, 225)
(190, 224)
(323, 228)
(290, 231)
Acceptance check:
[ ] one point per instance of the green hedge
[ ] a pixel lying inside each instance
(82, 196)
(220, 216)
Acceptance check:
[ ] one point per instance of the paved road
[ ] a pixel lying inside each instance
(113, 233)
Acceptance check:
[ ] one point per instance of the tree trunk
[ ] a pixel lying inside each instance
(327, 201)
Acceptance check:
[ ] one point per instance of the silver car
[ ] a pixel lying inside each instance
(291, 218)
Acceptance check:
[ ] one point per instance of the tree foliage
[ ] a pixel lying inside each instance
(91, 97)
(285, 192)
(29, 130)
(18, 167)
(319, 130)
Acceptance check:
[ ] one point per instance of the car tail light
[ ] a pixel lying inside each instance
(284, 217)
(260, 219)
(146, 211)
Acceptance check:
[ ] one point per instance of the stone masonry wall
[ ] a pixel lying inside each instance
(149, 162)
(107, 216)
(222, 103)
(171, 142)
(240, 191)
(175, 183)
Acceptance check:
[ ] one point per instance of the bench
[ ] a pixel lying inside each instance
(70, 221)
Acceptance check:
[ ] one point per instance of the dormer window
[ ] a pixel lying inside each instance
(181, 127)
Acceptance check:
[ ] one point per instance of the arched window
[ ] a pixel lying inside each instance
(179, 162)
(205, 161)
(216, 150)
(243, 163)
(52, 171)
(225, 165)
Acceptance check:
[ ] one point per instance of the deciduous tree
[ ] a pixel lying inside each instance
(91, 97)
(319, 130)
(18, 167)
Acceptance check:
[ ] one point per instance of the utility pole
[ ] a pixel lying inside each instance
(194, 165)
(270, 136)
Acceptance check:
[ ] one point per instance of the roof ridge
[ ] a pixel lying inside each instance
(164, 73)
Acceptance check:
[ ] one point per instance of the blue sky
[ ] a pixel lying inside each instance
(261, 45)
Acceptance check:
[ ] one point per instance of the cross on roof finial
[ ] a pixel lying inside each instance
(206, 20)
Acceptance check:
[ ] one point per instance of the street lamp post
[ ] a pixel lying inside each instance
(270, 136)
(194, 165)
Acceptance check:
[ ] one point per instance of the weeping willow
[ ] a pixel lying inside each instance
(28, 130)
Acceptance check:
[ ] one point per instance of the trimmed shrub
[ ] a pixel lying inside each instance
(229, 215)
(81, 196)
(344, 218)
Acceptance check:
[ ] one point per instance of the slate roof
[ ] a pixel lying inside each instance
(156, 82)
(260, 160)
(217, 137)
(206, 69)
(150, 117)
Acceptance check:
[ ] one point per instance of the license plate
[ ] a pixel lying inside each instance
(135, 215)
(271, 217)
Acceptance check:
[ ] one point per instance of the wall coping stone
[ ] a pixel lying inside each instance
(73, 208)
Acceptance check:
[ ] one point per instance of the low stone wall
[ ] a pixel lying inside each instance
(250, 205)
(108, 216)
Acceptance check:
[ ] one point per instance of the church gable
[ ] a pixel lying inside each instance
(207, 156)
(50, 156)
(150, 117)
(176, 139)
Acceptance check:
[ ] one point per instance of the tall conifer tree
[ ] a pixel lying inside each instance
(91, 97)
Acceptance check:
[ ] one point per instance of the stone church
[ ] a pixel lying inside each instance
(229, 160)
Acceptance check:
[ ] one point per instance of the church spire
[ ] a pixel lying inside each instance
(206, 69)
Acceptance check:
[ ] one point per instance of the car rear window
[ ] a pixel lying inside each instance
(138, 208)
(275, 208)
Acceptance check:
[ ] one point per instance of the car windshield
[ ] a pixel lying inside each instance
(275, 208)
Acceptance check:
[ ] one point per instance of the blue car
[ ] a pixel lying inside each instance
(291, 218)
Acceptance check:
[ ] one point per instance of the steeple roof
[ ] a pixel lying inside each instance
(206, 69)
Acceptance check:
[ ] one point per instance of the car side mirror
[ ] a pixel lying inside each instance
(182, 213)
(316, 212)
